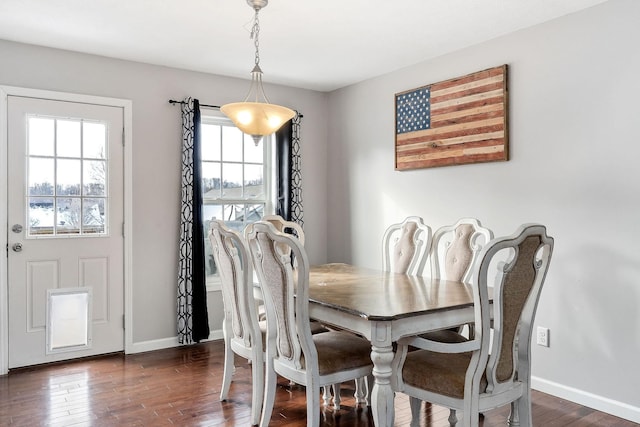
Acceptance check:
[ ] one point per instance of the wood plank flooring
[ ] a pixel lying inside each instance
(181, 387)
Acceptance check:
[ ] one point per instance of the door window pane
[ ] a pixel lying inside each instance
(68, 215)
(68, 177)
(41, 176)
(41, 136)
(94, 177)
(40, 215)
(93, 215)
(94, 139)
(68, 138)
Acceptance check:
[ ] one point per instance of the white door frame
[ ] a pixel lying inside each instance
(5, 92)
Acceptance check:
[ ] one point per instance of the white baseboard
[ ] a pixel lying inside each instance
(141, 347)
(600, 403)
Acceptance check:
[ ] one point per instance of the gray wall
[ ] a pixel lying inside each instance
(575, 144)
(156, 160)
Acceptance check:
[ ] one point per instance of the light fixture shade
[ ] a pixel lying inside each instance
(257, 118)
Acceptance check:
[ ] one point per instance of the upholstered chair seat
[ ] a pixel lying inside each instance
(340, 350)
(442, 373)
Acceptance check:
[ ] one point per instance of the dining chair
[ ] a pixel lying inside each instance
(240, 326)
(296, 230)
(405, 246)
(405, 249)
(312, 360)
(480, 374)
(454, 252)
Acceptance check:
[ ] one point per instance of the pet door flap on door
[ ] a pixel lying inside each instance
(68, 319)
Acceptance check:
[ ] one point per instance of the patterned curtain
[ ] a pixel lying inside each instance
(289, 171)
(193, 320)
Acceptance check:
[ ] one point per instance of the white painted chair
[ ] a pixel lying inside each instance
(241, 331)
(296, 230)
(454, 252)
(481, 374)
(405, 249)
(405, 246)
(293, 352)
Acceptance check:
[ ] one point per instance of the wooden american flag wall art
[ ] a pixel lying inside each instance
(457, 121)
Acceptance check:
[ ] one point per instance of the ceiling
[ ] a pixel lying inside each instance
(321, 45)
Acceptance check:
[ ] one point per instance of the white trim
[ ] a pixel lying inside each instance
(127, 106)
(141, 347)
(215, 335)
(600, 403)
(4, 304)
(161, 344)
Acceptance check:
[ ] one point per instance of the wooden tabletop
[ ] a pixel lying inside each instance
(378, 295)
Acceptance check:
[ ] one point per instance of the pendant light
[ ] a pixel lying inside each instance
(255, 115)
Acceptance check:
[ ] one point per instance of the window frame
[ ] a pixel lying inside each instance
(215, 117)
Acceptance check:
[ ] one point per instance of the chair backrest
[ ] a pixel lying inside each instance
(234, 267)
(405, 246)
(521, 261)
(285, 288)
(285, 226)
(455, 248)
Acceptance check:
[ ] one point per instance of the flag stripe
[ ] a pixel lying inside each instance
(468, 123)
(460, 102)
(497, 71)
(459, 150)
(475, 110)
(446, 132)
(426, 145)
(483, 154)
(471, 87)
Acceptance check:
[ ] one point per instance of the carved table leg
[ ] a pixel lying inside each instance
(382, 395)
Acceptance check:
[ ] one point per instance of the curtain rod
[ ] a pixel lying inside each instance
(173, 101)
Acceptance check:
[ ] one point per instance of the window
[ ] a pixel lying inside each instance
(67, 177)
(237, 181)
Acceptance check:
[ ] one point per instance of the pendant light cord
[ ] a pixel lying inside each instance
(255, 32)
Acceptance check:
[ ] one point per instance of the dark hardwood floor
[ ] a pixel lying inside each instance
(181, 387)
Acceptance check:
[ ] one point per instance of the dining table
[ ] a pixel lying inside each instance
(384, 307)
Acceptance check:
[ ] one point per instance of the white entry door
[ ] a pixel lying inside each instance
(65, 230)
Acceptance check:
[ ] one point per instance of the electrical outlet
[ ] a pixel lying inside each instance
(542, 337)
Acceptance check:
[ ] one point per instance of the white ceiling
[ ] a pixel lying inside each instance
(321, 45)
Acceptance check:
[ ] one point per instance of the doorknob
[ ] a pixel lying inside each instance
(17, 247)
